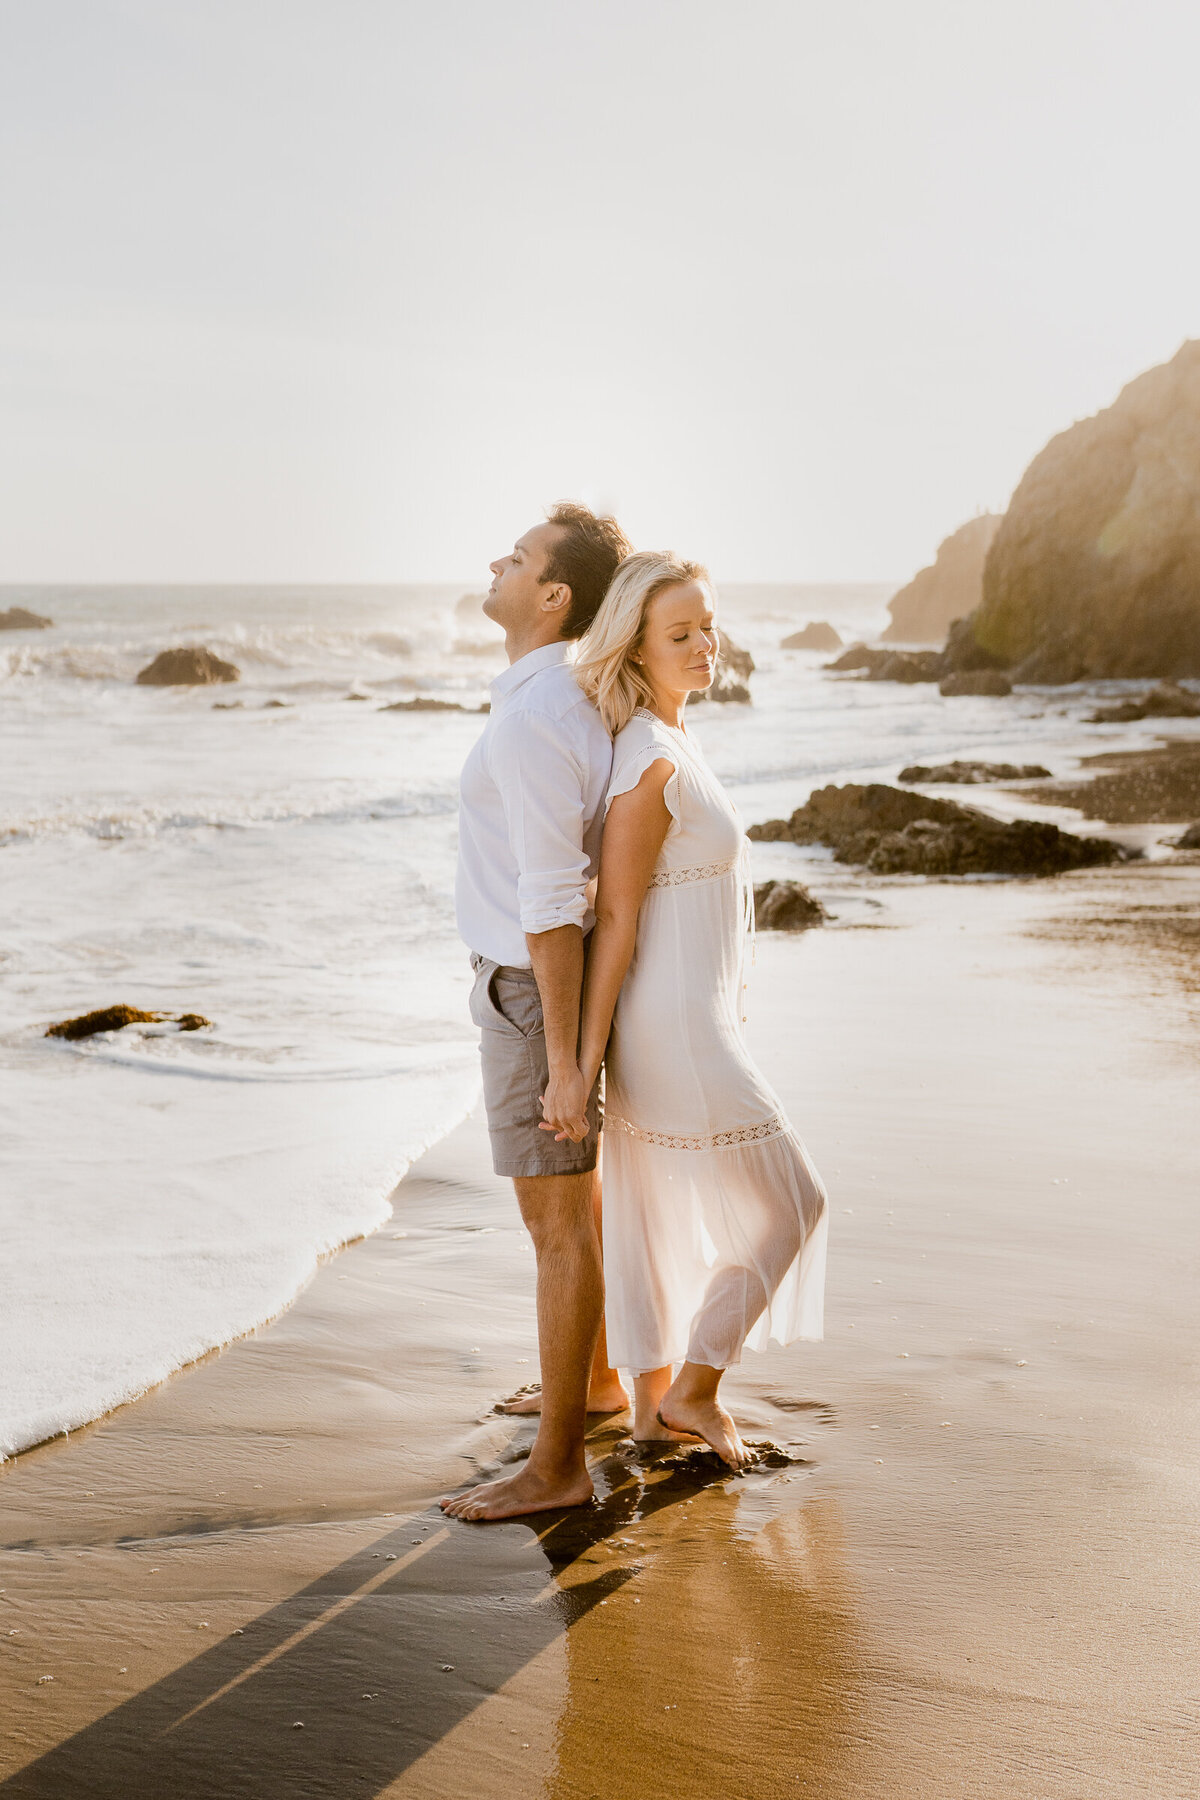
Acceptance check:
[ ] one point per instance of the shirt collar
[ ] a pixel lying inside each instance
(549, 656)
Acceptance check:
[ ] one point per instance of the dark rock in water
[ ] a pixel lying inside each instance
(269, 705)
(786, 906)
(992, 682)
(470, 606)
(426, 703)
(725, 688)
(356, 696)
(816, 635)
(735, 658)
(971, 772)
(19, 618)
(908, 665)
(734, 669)
(889, 665)
(1095, 570)
(228, 705)
(191, 666)
(114, 1018)
(948, 589)
(858, 656)
(1167, 701)
(1190, 839)
(894, 832)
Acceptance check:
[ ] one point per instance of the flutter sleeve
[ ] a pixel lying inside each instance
(635, 750)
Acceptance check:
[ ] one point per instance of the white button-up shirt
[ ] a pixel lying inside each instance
(531, 809)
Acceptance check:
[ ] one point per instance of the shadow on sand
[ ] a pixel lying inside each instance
(343, 1686)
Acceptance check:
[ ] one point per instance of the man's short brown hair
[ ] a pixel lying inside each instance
(585, 556)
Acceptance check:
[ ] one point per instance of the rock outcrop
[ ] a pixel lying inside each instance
(426, 703)
(1167, 701)
(970, 773)
(1095, 570)
(190, 666)
(19, 618)
(890, 665)
(992, 682)
(786, 906)
(818, 634)
(948, 589)
(1190, 839)
(897, 833)
(115, 1018)
(734, 669)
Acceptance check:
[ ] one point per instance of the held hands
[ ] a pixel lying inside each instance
(564, 1105)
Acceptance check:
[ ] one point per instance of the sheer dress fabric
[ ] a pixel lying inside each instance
(714, 1216)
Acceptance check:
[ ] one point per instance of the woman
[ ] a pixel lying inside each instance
(714, 1217)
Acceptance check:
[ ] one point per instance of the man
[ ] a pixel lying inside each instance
(531, 815)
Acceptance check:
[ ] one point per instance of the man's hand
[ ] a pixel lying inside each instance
(564, 1105)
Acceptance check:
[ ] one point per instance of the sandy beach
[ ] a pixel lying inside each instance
(966, 1565)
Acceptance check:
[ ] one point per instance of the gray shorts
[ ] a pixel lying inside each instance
(507, 1007)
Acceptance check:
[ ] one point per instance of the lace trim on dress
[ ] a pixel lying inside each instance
(694, 872)
(717, 1140)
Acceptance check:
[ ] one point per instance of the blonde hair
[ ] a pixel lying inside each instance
(604, 668)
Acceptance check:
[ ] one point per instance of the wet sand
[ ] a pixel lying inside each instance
(971, 1566)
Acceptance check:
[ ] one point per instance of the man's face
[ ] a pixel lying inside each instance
(517, 592)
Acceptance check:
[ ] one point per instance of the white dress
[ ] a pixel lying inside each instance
(714, 1217)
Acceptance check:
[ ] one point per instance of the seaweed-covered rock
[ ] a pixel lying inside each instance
(991, 682)
(19, 618)
(818, 634)
(1095, 570)
(969, 773)
(878, 825)
(948, 589)
(1167, 701)
(786, 906)
(115, 1018)
(190, 666)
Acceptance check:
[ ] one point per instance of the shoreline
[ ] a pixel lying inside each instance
(988, 1522)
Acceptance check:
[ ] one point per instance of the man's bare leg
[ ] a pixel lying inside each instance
(606, 1393)
(557, 1210)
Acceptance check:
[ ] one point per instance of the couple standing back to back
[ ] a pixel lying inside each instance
(586, 781)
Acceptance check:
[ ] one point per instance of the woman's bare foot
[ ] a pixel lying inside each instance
(651, 1430)
(648, 1390)
(514, 1495)
(527, 1400)
(705, 1419)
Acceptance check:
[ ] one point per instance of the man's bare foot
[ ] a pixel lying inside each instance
(705, 1419)
(528, 1400)
(514, 1495)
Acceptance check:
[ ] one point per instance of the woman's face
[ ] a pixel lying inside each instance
(679, 644)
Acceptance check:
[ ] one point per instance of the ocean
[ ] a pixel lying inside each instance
(278, 856)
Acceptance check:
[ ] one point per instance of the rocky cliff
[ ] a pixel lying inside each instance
(1095, 570)
(948, 589)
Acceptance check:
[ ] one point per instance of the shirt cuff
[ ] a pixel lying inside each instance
(547, 915)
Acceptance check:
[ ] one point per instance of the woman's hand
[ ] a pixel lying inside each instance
(564, 1104)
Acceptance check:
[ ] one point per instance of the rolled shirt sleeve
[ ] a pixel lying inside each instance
(541, 785)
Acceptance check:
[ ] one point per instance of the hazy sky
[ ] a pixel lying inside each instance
(352, 289)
